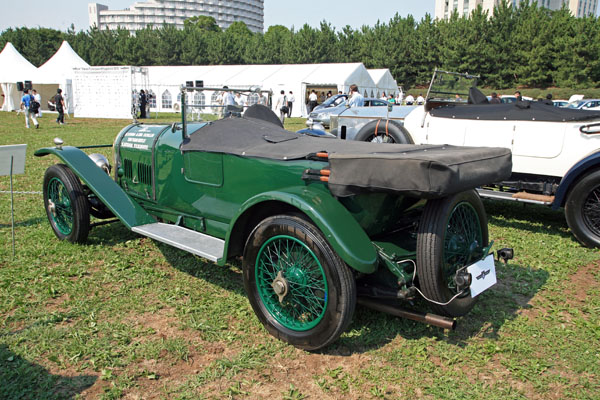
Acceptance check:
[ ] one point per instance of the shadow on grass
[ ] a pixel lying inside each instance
(29, 222)
(21, 379)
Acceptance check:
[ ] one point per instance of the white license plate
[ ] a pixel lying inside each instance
(483, 275)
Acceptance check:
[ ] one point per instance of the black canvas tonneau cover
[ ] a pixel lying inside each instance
(424, 171)
(519, 111)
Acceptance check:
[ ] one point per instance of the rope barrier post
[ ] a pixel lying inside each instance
(12, 207)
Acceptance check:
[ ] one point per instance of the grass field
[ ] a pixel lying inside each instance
(126, 317)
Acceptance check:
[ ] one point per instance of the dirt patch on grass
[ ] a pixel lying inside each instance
(580, 282)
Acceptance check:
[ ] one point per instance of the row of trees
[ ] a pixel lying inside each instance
(525, 46)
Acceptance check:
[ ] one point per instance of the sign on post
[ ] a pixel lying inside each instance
(12, 162)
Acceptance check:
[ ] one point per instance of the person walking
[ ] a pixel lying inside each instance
(356, 99)
(60, 107)
(290, 103)
(38, 98)
(27, 105)
(281, 105)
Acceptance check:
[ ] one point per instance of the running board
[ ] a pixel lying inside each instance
(519, 197)
(189, 240)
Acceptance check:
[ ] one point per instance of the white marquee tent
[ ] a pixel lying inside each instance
(384, 81)
(58, 72)
(13, 68)
(164, 82)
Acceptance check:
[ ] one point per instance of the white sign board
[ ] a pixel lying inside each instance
(102, 92)
(17, 152)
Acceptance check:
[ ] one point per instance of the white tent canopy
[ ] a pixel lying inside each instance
(13, 68)
(58, 72)
(164, 82)
(384, 81)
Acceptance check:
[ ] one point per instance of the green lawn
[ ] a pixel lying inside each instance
(124, 316)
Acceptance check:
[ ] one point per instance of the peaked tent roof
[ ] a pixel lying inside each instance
(60, 66)
(14, 67)
(383, 79)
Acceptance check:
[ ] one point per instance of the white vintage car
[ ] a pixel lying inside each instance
(556, 151)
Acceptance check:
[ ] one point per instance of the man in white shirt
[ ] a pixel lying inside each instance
(410, 100)
(37, 97)
(290, 103)
(420, 100)
(356, 99)
(312, 101)
(281, 105)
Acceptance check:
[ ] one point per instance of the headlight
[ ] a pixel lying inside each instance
(101, 162)
(322, 115)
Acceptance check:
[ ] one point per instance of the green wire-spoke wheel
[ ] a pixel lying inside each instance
(299, 288)
(66, 205)
(452, 234)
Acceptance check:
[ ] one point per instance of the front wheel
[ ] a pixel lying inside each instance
(66, 204)
(299, 288)
(582, 209)
(452, 234)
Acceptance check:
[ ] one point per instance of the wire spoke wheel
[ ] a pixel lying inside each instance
(452, 235)
(60, 206)
(591, 211)
(462, 241)
(66, 204)
(381, 139)
(299, 288)
(286, 265)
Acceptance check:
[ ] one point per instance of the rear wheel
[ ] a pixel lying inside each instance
(66, 204)
(384, 131)
(299, 288)
(452, 234)
(582, 210)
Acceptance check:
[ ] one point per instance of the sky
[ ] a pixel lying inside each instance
(60, 14)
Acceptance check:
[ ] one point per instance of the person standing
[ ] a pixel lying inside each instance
(356, 99)
(281, 105)
(60, 107)
(312, 101)
(38, 98)
(410, 100)
(143, 103)
(495, 99)
(420, 100)
(26, 103)
(290, 103)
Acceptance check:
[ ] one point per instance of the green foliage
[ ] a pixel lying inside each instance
(528, 46)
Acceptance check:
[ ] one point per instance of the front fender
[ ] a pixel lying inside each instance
(107, 190)
(577, 170)
(341, 230)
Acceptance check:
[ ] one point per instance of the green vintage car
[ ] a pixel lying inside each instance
(319, 222)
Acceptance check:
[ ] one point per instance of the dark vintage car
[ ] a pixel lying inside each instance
(319, 222)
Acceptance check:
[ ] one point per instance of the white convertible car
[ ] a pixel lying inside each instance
(556, 151)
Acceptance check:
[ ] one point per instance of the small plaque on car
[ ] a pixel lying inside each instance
(483, 275)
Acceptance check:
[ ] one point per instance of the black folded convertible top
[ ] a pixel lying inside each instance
(420, 170)
(519, 111)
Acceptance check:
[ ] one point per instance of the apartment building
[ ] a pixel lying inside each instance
(173, 12)
(445, 8)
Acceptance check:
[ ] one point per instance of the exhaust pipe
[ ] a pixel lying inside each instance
(431, 319)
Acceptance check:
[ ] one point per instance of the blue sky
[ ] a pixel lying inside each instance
(59, 14)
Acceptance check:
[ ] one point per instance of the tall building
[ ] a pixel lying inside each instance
(173, 12)
(445, 8)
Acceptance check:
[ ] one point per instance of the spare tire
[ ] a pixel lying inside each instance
(384, 131)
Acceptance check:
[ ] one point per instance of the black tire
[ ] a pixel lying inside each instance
(582, 209)
(334, 305)
(66, 204)
(442, 227)
(384, 131)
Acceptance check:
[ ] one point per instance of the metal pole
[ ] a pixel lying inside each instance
(12, 208)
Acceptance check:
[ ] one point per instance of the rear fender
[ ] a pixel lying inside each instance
(102, 185)
(579, 169)
(341, 230)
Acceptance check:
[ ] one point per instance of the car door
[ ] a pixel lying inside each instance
(445, 130)
(489, 133)
(538, 139)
